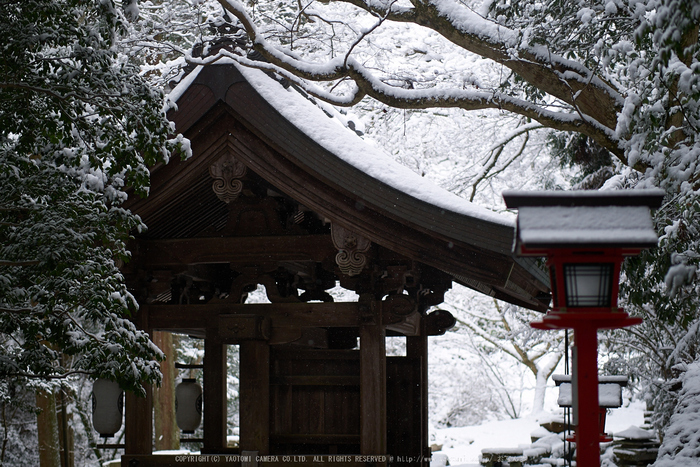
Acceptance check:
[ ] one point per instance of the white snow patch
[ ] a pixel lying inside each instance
(464, 444)
(634, 432)
(585, 15)
(611, 8)
(609, 395)
(184, 84)
(585, 224)
(619, 419)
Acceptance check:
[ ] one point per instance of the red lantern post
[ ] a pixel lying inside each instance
(585, 236)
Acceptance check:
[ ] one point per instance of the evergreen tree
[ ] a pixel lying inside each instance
(78, 125)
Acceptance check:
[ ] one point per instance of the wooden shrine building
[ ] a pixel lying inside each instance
(280, 194)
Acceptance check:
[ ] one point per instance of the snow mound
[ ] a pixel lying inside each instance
(634, 432)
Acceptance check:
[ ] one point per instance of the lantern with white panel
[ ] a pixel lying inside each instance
(107, 407)
(585, 236)
(188, 405)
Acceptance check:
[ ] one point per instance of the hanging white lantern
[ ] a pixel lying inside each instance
(107, 407)
(188, 405)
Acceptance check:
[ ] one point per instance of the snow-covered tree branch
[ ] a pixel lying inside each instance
(587, 103)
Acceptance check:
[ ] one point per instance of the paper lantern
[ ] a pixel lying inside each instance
(107, 407)
(188, 405)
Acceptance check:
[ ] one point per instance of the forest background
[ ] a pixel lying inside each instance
(477, 96)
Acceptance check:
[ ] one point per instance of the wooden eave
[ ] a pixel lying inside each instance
(221, 111)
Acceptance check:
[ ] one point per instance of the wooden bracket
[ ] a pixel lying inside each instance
(439, 322)
(243, 327)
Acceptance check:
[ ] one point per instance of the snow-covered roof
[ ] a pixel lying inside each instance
(585, 225)
(314, 159)
(622, 380)
(330, 133)
(585, 218)
(636, 433)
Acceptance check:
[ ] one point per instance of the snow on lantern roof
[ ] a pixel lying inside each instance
(570, 219)
(609, 395)
(609, 390)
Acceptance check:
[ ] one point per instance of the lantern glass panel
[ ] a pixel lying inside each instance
(588, 284)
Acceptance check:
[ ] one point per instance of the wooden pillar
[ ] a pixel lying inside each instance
(417, 347)
(138, 411)
(166, 430)
(214, 380)
(585, 396)
(254, 387)
(373, 437)
(138, 432)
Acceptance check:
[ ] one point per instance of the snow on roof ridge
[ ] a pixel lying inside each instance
(176, 93)
(361, 154)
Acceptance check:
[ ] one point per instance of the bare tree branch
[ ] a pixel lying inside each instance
(15, 310)
(488, 172)
(495, 342)
(524, 358)
(18, 263)
(47, 377)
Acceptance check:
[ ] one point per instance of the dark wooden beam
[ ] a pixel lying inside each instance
(233, 328)
(160, 254)
(417, 347)
(323, 380)
(214, 379)
(167, 433)
(138, 419)
(283, 315)
(255, 396)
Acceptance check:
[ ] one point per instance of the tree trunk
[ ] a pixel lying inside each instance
(543, 373)
(540, 391)
(47, 430)
(65, 430)
(167, 433)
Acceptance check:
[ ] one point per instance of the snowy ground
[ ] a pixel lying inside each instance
(463, 445)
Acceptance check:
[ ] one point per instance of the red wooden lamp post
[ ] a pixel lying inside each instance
(585, 235)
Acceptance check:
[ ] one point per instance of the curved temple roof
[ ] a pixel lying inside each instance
(284, 137)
